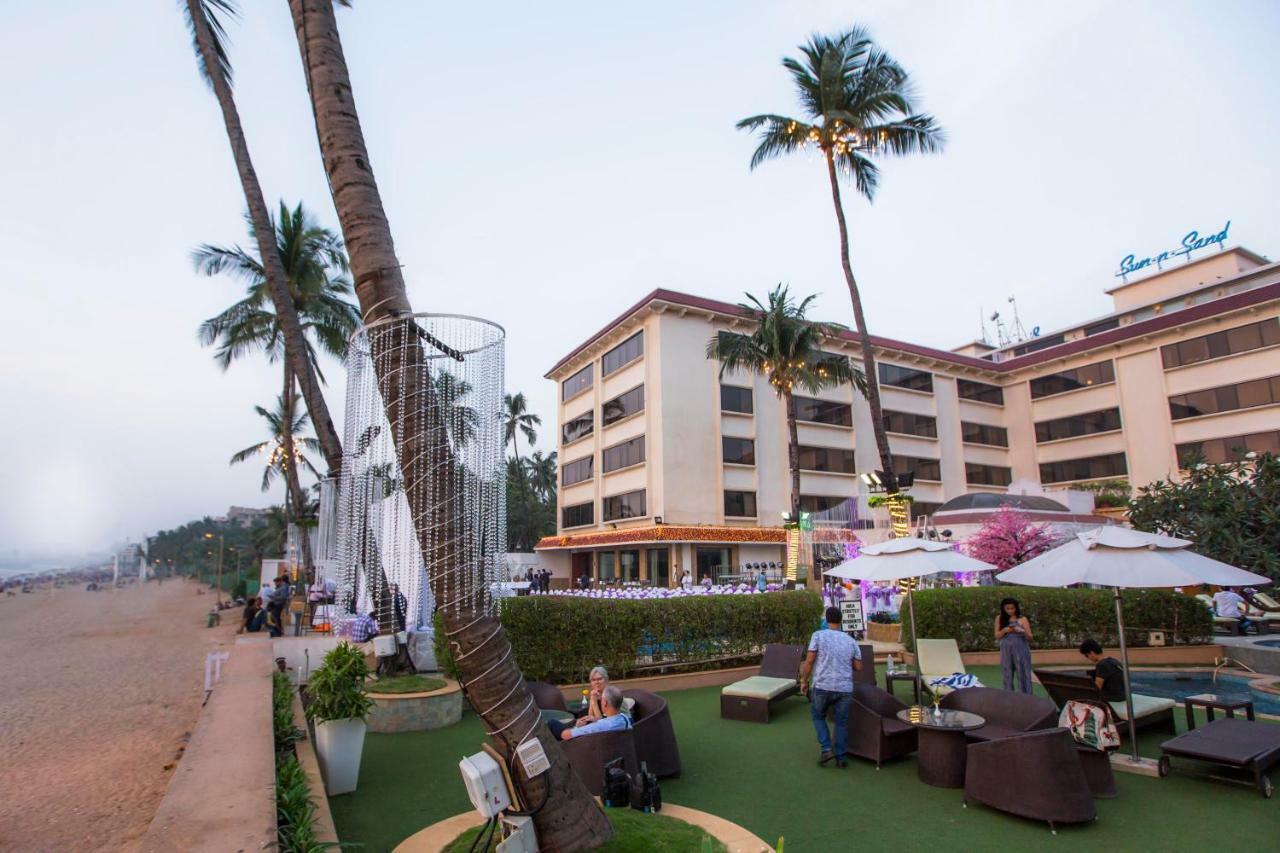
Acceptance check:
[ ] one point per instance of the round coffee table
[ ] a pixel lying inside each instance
(942, 744)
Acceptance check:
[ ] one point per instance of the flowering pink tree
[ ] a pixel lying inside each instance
(1007, 539)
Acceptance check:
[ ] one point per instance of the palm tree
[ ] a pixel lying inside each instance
(857, 105)
(568, 818)
(787, 348)
(462, 421)
(516, 418)
(542, 474)
(281, 423)
(208, 34)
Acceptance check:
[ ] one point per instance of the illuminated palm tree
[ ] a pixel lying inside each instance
(278, 454)
(857, 106)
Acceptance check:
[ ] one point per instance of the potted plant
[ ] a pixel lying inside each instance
(338, 706)
(884, 627)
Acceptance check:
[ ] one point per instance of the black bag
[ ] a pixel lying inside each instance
(646, 796)
(617, 784)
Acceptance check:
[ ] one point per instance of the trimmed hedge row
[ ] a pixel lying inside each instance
(560, 638)
(1060, 618)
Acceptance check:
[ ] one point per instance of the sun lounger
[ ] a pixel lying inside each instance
(938, 659)
(1241, 744)
(1065, 685)
(750, 699)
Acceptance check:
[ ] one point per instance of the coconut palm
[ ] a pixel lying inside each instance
(857, 106)
(516, 420)
(786, 347)
(462, 421)
(205, 20)
(568, 818)
(276, 453)
(542, 474)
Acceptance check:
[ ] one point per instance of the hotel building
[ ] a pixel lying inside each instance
(665, 466)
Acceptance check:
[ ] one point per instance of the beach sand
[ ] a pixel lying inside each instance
(100, 692)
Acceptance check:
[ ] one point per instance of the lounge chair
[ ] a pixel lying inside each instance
(938, 659)
(751, 698)
(1148, 711)
(1263, 619)
(1035, 775)
(875, 732)
(1225, 623)
(1242, 744)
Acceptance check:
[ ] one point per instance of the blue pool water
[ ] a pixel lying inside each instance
(1178, 685)
(1271, 644)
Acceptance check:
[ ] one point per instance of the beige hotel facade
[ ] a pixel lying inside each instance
(664, 466)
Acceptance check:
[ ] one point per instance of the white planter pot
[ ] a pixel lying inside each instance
(339, 745)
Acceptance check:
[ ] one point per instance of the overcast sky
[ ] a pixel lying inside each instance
(545, 165)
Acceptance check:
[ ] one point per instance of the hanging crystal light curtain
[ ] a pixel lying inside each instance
(435, 519)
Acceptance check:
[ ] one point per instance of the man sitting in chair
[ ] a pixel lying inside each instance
(610, 706)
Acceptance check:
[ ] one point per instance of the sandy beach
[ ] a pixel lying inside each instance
(101, 690)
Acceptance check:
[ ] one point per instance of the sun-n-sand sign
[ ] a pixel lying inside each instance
(1190, 243)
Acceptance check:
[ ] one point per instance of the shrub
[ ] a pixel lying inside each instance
(884, 617)
(336, 689)
(406, 684)
(286, 733)
(1060, 618)
(560, 638)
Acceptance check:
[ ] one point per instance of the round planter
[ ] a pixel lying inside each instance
(881, 632)
(416, 712)
(339, 745)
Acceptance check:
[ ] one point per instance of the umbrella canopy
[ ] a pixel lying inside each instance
(896, 559)
(1120, 557)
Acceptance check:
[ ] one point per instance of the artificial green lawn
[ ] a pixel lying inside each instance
(766, 778)
(405, 684)
(635, 833)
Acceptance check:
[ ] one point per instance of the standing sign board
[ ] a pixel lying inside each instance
(851, 616)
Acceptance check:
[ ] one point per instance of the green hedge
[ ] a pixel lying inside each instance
(1060, 618)
(560, 638)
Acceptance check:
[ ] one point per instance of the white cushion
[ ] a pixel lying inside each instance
(1143, 706)
(759, 687)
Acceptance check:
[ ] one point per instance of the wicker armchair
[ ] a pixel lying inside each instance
(875, 732)
(1035, 775)
(1007, 714)
(655, 736)
(547, 696)
(589, 754)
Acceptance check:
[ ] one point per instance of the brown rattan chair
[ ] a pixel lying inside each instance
(1007, 714)
(1065, 685)
(875, 732)
(866, 675)
(588, 754)
(655, 736)
(547, 696)
(1035, 775)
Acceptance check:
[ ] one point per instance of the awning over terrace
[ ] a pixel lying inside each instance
(655, 533)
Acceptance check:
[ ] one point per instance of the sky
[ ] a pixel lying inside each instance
(546, 165)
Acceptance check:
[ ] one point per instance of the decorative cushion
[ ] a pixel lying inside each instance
(759, 687)
(1142, 706)
(628, 706)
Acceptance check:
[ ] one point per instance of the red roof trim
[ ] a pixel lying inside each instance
(1133, 330)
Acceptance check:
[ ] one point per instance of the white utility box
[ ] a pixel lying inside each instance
(519, 836)
(485, 784)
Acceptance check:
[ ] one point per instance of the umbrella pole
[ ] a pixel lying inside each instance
(911, 607)
(1128, 692)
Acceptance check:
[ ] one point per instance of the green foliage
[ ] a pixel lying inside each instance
(634, 832)
(1230, 511)
(336, 689)
(531, 514)
(874, 501)
(286, 733)
(192, 554)
(406, 684)
(560, 638)
(1060, 618)
(1108, 493)
(296, 811)
(884, 617)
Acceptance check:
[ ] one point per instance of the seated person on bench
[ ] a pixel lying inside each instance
(613, 718)
(1107, 674)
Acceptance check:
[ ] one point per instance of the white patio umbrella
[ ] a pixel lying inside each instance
(1122, 558)
(908, 557)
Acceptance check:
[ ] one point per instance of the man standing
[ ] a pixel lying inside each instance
(399, 605)
(833, 658)
(277, 598)
(1231, 605)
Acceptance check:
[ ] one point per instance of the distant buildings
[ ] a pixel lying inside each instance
(244, 516)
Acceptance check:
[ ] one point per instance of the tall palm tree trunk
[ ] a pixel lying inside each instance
(295, 346)
(292, 481)
(568, 818)
(793, 454)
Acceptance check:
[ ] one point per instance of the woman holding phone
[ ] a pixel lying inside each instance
(1013, 630)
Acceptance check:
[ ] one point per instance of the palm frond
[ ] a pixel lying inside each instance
(212, 10)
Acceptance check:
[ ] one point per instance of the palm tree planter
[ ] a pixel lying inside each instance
(858, 105)
(338, 707)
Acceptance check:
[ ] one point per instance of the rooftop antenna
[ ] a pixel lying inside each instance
(1002, 334)
(1018, 332)
(983, 335)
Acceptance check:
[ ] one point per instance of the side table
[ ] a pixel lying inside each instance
(890, 678)
(1211, 701)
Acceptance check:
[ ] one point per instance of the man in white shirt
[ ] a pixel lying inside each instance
(832, 660)
(1230, 604)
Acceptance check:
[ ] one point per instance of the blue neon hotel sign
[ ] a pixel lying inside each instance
(1190, 243)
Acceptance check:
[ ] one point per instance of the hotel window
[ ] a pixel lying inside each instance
(925, 426)
(578, 515)
(740, 504)
(817, 411)
(980, 392)
(971, 433)
(735, 399)
(1102, 373)
(1219, 450)
(629, 565)
(576, 383)
(924, 469)
(1101, 326)
(830, 459)
(624, 353)
(820, 503)
(1104, 420)
(987, 475)
(1228, 398)
(1039, 344)
(1227, 342)
(1089, 468)
(618, 507)
(623, 406)
(577, 471)
(905, 377)
(623, 455)
(738, 451)
(580, 427)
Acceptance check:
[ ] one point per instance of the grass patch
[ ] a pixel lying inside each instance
(406, 684)
(634, 832)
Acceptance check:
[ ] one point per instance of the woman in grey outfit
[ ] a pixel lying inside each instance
(1013, 630)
